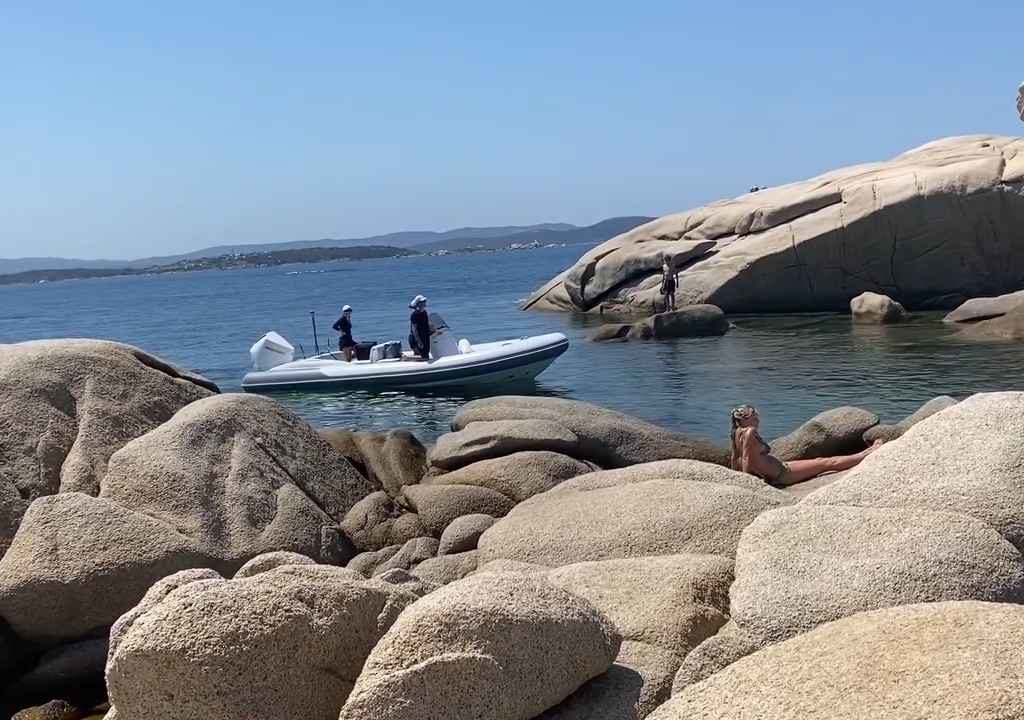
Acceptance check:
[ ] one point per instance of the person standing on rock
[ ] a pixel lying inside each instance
(752, 455)
(669, 281)
(343, 325)
(419, 328)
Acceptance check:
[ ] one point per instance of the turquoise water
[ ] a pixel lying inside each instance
(791, 367)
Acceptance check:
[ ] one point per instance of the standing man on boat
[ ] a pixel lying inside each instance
(419, 328)
(343, 325)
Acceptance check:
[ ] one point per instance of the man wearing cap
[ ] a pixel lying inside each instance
(419, 328)
(343, 325)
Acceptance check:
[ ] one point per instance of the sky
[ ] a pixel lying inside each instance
(131, 129)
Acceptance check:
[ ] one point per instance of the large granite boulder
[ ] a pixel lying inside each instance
(692, 470)
(652, 517)
(79, 562)
(895, 431)
(869, 307)
(638, 682)
(488, 439)
(439, 505)
(690, 321)
(390, 460)
(672, 601)
(605, 437)
(445, 569)
(463, 533)
(241, 476)
(497, 645)
(939, 223)
(942, 661)
(283, 644)
(67, 405)
(968, 458)
(517, 476)
(801, 566)
(985, 308)
(1005, 327)
(377, 521)
(839, 431)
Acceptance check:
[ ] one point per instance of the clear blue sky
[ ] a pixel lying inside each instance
(130, 129)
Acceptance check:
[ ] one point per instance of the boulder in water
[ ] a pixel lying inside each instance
(839, 431)
(690, 321)
(872, 307)
(985, 308)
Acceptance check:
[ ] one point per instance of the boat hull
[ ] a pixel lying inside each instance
(497, 363)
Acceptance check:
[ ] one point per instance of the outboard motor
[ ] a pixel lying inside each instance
(270, 351)
(442, 340)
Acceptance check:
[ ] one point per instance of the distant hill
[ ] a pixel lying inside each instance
(599, 232)
(421, 240)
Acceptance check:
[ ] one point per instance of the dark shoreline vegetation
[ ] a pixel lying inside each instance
(223, 262)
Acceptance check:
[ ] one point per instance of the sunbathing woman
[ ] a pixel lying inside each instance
(751, 454)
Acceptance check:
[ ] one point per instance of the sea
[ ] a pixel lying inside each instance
(789, 366)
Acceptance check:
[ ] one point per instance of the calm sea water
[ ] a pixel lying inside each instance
(791, 367)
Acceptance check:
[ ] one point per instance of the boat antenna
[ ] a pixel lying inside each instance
(316, 341)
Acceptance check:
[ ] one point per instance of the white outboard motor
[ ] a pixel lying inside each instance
(442, 340)
(270, 351)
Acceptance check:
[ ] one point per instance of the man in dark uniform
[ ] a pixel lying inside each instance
(343, 325)
(419, 328)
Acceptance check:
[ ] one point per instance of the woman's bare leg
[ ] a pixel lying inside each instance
(800, 470)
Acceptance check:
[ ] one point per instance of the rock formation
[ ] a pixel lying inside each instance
(934, 226)
(869, 307)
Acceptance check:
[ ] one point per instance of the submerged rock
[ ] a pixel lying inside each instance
(875, 308)
(690, 321)
(939, 223)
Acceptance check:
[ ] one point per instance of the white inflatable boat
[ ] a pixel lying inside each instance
(451, 364)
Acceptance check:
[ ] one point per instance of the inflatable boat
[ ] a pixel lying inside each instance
(451, 363)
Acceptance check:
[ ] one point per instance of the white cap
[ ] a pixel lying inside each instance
(346, 308)
(417, 300)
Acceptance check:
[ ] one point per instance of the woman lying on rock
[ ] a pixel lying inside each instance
(751, 454)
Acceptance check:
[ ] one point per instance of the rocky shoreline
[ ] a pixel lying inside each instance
(183, 553)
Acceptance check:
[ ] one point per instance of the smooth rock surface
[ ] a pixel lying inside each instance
(689, 321)
(672, 601)
(79, 562)
(271, 560)
(936, 223)
(439, 505)
(390, 460)
(1005, 327)
(446, 569)
(497, 645)
(653, 517)
(242, 476)
(638, 682)
(869, 307)
(693, 470)
(606, 437)
(839, 431)
(802, 566)
(968, 458)
(517, 476)
(887, 433)
(985, 308)
(488, 439)
(463, 533)
(67, 405)
(214, 649)
(941, 661)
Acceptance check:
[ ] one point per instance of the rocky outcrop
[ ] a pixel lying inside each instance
(1005, 327)
(473, 649)
(937, 660)
(439, 505)
(487, 439)
(377, 521)
(893, 432)
(67, 405)
(463, 533)
(517, 476)
(445, 569)
(985, 308)
(834, 432)
(933, 226)
(872, 307)
(290, 642)
(390, 460)
(607, 438)
(650, 517)
(241, 476)
(269, 561)
(690, 321)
